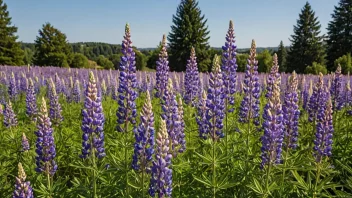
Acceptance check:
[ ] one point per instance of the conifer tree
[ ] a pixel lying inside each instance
(307, 44)
(10, 50)
(339, 42)
(52, 48)
(282, 55)
(189, 29)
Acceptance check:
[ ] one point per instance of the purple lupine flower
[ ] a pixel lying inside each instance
(10, 119)
(161, 177)
(202, 116)
(273, 127)
(23, 83)
(347, 94)
(31, 102)
(336, 90)
(92, 121)
(25, 143)
(181, 137)
(144, 145)
(23, 188)
(291, 112)
(113, 89)
(324, 128)
(162, 70)
(13, 91)
(229, 66)
(55, 107)
(315, 99)
(58, 83)
(45, 145)
(215, 102)
(272, 77)
(127, 111)
(191, 78)
(249, 108)
(76, 92)
(172, 117)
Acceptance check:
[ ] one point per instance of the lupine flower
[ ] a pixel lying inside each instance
(55, 107)
(13, 91)
(31, 102)
(144, 145)
(25, 143)
(273, 127)
(103, 88)
(324, 128)
(114, 90)
(76, 92)
(173, 120)
(23, 188)
(249, 108)
(181, 137)
(229, 66)
(45, 145)
(215, 102)
(291, 112)
(10, 119)
(58, 84)
(315, 99)
(202, 116)
(162, 70)
(92, 121)
(347, 94)
(191, 78)
(272, 77)
(161, 178)
(128, 84)
(1, 110)
(336, 90)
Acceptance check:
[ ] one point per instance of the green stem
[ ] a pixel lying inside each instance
(317, 180)
(49, 182)
(143, 182)
(226, 129)
(126, 158)
(94, 169)
(284, 171)
(267, 180)
(214, 173)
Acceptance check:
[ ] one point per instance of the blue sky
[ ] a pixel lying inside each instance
(266, 21)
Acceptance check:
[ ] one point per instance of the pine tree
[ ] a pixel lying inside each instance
(282, 55)
(307, 44)
(52, 48)
(340, 33)
(189, 29)
(10, 50)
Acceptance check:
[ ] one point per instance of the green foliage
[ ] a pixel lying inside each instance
(52, 48)
(241, 60)
(282, 55)
(28, 56)
(105, 62)
(141, 60)
(346, 63)
(339, 40)
(10, 50)
(189, 29)
(265, 61)
(115, 59)
(316, 68)
(79, 61)
(94, 49)
(307, 45)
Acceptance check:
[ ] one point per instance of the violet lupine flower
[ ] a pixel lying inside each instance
(45, 145)
(324, 128)
(191, 78)
(23, 188)
(31, 102)
(144, 145)
(347, 94)
(291, 112)
(25, 143)
(10, 119)
(249, 108)
(181, 137)
(272, 77)
(161, 177)
(273, 128)
(229, 66)
(173, 120)
(92, 121)
(127, 111)
(336, 90)
(55, 107)
(202, 116)
(315, 99)
(76, 92)
(58, 83)
(215, 102)
(162, 70)
(13, 91)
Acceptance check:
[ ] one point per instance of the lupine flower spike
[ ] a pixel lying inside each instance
(162, 70)
(202, 116)
(25, 143)
(191, 78)
(10, 119)
(316, 98)
(55, 107)
(272, 77)
(336, 90)
(31, 102)
(23, 188)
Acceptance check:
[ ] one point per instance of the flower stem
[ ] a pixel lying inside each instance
(143, 182)
(94, 169)
(267, 180)
(126, 158)
(48, 182)
(317, 180)
(214, 171)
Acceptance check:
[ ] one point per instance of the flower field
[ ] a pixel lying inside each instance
(108, 133)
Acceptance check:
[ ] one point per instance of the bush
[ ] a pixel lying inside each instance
(79, 61)
(345, 62)
(315, 69)
(104, 62)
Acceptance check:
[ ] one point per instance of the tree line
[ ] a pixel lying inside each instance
(309, 52)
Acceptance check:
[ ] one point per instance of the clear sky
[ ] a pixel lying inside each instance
(266, 21)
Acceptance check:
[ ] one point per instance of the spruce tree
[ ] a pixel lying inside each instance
(282, 55)
(307, 44)
(10, 50)
(339, 33)
(189, 29)
(52, 48)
